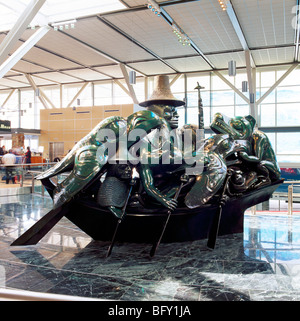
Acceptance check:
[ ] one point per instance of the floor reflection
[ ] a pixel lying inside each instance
(261, 264)
(273, 238)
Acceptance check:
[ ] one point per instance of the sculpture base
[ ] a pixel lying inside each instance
(184, 224)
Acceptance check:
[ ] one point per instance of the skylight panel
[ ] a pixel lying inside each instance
(54, 10)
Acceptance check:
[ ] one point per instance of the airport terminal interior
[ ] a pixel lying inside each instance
(230, 68)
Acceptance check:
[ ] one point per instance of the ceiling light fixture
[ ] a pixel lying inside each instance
(64, 25)
(223, 4)
(154, 7)
(182, 37)
(244, 86)
(132, 77)
(231, 68)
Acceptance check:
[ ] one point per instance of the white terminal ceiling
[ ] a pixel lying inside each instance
(109, 33)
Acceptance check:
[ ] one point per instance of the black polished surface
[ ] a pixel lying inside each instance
(261, 264)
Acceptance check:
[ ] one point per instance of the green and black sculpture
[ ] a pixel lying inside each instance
(140, 170)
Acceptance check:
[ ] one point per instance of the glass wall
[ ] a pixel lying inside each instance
(278, 113)
(11, 109)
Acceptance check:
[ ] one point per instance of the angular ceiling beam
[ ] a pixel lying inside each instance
(238, 30)
(20, 26)
(22, 50)
(294, 66)
(79, 92)
(46, 98)
(227, 82)
(116, 81)
(8, 97)
(175, 79)
(34, 86)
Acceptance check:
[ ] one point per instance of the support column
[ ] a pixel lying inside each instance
(251, 83)
(185, 99)
(36, 112)
(19, 108)
(61, 96)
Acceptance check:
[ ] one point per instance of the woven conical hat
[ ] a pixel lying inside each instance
(162, 93)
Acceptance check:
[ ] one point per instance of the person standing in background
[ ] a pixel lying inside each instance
(28, 156)
(9, 160)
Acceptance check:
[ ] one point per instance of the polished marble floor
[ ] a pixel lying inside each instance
(261, 264)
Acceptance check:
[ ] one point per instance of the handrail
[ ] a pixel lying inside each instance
(30, 164)
(23, 295)
(291, 182)
(291, 195)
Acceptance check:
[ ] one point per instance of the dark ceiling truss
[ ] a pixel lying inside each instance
(170, 20)
(167, 18)
(121, 32)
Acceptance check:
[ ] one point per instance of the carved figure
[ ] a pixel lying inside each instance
(243, 128)
(138, 166)
(237, 146)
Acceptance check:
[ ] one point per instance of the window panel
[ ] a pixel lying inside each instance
(221, 98)
(288, 94)
(219, 84)
(288, 158)
(192, 116)
(239, 78)
(288, 114)
(227, 111)
(292, 79)
(239, 100)
(178, 85)
(10, 110)
(267, 115)
(181, 115)
(204, 81)
(270, 99)
(103, 93)
(272, 138)
(27, 109)
(192, 98)
(242, 110)
(53, 93)
(288, 143)
(267, 78)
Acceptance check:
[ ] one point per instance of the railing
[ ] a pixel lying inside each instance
(24, 173)
(291, 194)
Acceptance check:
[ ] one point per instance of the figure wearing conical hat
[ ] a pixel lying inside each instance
(88, 156)
(158, 145)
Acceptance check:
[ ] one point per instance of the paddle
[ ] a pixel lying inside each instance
(134, 176)
(184, 179)
(213, 232)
